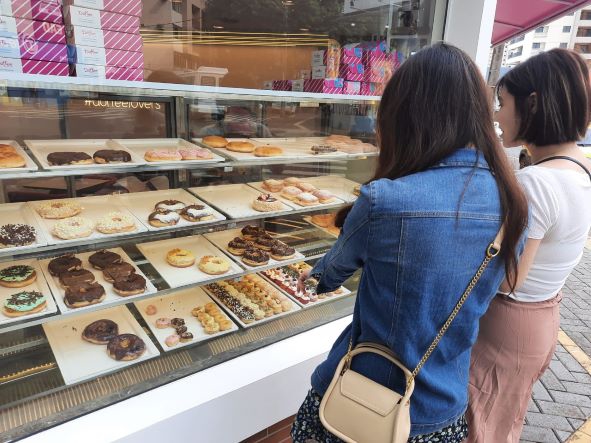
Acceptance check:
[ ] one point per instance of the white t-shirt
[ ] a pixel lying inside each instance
(560, 215)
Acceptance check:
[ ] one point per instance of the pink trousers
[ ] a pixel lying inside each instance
(515, 345)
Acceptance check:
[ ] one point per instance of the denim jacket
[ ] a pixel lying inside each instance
(419, 241)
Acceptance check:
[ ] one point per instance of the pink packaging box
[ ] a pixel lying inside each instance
(352, 71)
(46, 10)
(371, 88)
(130, 74)
(28, 49)
(45, 67)
(92, 18)
(325, 86)
(33, 30)
(371, 59)
(351, 54)
(352, 88)
(377, 74)
(281, 85)
(83, 36)
(88, 55)
(129, 7)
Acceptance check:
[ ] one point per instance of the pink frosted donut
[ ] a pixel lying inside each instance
(195, 154)
(172, 340)
(323, 195)
(163, 323)
(306, 187)
(162, 155)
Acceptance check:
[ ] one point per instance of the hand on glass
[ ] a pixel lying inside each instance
(305, 275)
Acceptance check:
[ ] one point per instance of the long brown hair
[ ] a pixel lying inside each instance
(434, 104)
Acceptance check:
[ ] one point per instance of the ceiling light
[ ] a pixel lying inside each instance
(217, 27)
(304, 29)
(353, 24)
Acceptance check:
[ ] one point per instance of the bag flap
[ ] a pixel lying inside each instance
(368, 393)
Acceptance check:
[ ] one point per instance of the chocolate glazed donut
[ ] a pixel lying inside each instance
(100, 332)
(63, 264)
(126, 347)
(102, 259)
(111, 156)
(84, 295)
(130, 285)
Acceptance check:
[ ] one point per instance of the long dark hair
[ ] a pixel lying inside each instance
(434, 104)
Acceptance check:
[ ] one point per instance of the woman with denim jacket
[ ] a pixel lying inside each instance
(419, 231)
(545, 104)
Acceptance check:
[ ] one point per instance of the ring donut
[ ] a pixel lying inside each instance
(125, 347)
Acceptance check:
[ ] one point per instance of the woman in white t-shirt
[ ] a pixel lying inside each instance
(544, 103)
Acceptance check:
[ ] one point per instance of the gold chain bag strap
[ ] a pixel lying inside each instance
(358, 410)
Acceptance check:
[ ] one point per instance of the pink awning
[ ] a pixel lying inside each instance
(514, 17)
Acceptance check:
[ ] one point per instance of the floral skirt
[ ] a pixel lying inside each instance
(307, 427)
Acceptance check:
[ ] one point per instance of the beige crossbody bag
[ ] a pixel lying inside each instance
(358, 410)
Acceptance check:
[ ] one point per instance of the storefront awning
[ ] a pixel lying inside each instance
(514, 17)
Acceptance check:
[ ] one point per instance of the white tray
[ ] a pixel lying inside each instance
(21, 213)
(30, 165)
(180, 305)
(140, 145)
(141, 204)
(42, 148)
(336, 201)
(93, 208)
(156, 252)
(221, 238)
(295, 307)
(300, 146)
(311, 303)
(80, 360)
(39, 285)
(309, 220)
(111, 295)
(234, 200)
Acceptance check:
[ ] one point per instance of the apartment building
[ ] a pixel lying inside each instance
(556, 34)
(581, 36)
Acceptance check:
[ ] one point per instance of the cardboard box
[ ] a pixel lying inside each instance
(33, 50)
(324, 86)
(89, 55)
(305, 74)
(281, 85)
(318, 58)
(129, 7)
(24, 28)
(318, 72)
(45, 11)
(83, 36)
(352, 88)
(92, 18)
(352, 72)
(297, 85)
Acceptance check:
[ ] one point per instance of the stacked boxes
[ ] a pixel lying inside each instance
(32, 37)
(104, 39)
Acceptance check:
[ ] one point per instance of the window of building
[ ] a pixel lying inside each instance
(564, 45)
(583, 48)
(517, 39)
(584, 32)
(536, 46)
(516, 52)
(540, 30)
(586, 15)
(566, 29)
(177, 6)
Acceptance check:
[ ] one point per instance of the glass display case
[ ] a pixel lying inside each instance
(155, 215)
